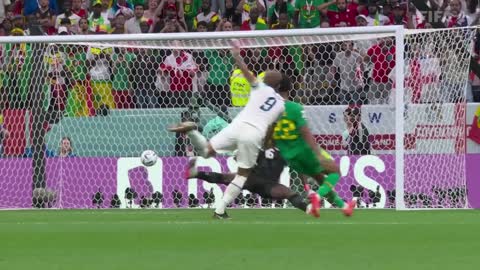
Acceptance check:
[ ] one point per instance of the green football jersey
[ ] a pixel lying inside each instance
(287, 135)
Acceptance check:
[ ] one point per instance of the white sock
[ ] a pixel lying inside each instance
(231, 192)
(199, 142)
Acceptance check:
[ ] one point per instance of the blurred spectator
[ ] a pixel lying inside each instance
(18, 7)
(121, 6)
(168, 19)
(98, 24)
(456, 17)
(73, 20)
(344, 16)
(77, 9)
(119, 24)
(79, 99)
(218, 6)
(382, 57)
(132, 26)
(224, 25)
(349, 65)
(307, 13)
(206, 15)
(152, 7)
(221, 66)
(230, 11)
(6, 25)
(172, 26)
(83, 27)
(66, 148)
(30, 6)
(374, 18)
(58, 81)
(283, 22)
(179, 67)
(399, 16)
(191, 8)
(17, 69)
(122, 60)
(3, 6)
(239, 88)
(18, 22)
(45, 16)
(274, 11)
(244, 7)
(65, 27)
(143, 75)
(145, 26)
(361, 20)
(317, 89)
(99, 61)
(356, 137)
(254, 22)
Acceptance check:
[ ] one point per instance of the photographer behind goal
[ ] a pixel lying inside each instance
(356, 137)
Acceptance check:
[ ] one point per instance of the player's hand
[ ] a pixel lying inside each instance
(235, 48)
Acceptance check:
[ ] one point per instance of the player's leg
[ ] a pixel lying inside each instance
(249, 143)
(211, 177)
(326, 190)
(200, 143)
(281, 192)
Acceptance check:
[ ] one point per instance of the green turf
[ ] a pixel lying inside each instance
(254, 239)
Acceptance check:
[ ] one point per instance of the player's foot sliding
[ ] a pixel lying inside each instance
(314, 207)
(191, 171)
(221, 216)
(348, 208)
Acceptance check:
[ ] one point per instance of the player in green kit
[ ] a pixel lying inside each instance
(298, 147)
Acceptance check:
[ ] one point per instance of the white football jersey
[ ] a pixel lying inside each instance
(263, 108)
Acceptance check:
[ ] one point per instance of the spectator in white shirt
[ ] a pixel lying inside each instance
(132, 26)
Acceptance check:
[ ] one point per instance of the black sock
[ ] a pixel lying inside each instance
(297, 201)
(211, 177)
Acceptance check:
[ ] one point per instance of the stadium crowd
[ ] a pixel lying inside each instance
(85, 80)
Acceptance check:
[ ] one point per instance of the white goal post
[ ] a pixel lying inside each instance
(388, 103)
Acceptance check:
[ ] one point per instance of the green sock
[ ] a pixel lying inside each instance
(333, 198)
(328, 184)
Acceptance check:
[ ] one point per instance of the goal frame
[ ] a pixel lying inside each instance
(398, 32)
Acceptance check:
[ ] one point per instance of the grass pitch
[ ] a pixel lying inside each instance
(253, 239)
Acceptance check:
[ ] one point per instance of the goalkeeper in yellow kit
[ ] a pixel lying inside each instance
(298, 147)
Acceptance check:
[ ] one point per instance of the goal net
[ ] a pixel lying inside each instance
(78, 112)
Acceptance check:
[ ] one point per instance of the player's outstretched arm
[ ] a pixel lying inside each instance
(241, 64)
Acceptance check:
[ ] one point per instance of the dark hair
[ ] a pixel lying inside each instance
(285, 84)
(138, 3)
(202, 23)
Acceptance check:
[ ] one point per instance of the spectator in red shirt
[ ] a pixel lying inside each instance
(180, 68)
(18, 8)
(345, 16)
(77, 8)
(382, 55)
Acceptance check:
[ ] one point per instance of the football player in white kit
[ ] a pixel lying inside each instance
(246, 132)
